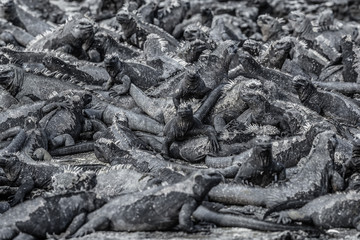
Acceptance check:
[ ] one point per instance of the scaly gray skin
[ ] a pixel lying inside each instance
(118, 133)
(183, 125)
(147, 211)
(253, 68)
(14, 35)
(52, 13)
(191, 86)
(171, 13)
(135, 30)
(270, 27)
(339, 210)
(44, 216)
(105, 44)
(63, 120)
(311, 181)
(262, 169)
(23, 86)
(135, 121)
(74, 37)
(16, 117)
(27, 176)
(158, 56)
(7, 100)
(277, 53)
(215, 68)
(58, 66)
(330, 105)
(19, 17)
(141, 75)
(229, 220)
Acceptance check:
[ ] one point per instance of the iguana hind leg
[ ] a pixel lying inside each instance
(100, 223)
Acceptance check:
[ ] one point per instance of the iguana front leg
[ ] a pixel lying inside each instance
(100, 223)
(186, 211)
(76, 223)
(27, 184)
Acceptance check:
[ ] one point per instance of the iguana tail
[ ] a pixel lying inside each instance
(228, 220)
(78, 148)
(298, 203)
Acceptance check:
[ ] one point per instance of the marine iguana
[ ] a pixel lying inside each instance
(135, 30)
(202, 213)
(191, 86)
(136, 121)
(270, 27)
(170, 13)
(23, 85)
(74, 37)
(44, 216)
(311, 181)
(185, 124)
(330, 105)
(141, 75)
(16, 14)
(63, 119)
(145, 211)
(105, 44)
(262, 169)
(339, 210)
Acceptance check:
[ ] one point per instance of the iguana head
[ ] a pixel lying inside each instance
(269, 26)
(303, 85)
(203, 181)
(249, 64)
(123, 17)
(253, 98)
(185, 112)
(192, 76)
(252, 46)
(113, 64)
(193, 32)
(83, 29)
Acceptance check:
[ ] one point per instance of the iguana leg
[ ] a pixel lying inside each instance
(76, 223)
(186, 211)
(26, 186)
(63, 140)
(11, 132)
(100, 223)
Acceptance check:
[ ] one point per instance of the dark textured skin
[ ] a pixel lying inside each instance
(55, 64)
(159, 208)
(105, 44)
(26, 176)
(261, 169)
(63, 119)
(340, 210)
(71, 38)
(191, 86)
(183, 125)
(317, 171)
(141, 75)
(264, 113)
(327, 104)
(64, 213)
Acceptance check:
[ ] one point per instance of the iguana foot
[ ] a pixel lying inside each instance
(284, 218)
